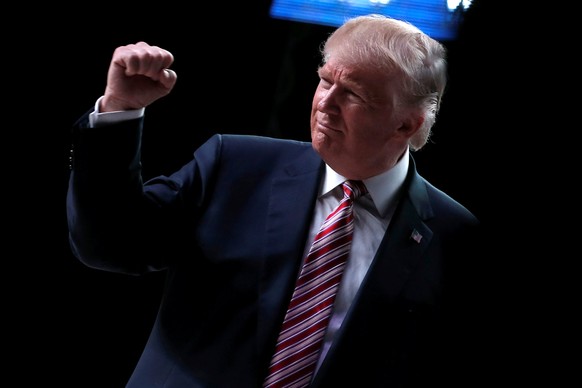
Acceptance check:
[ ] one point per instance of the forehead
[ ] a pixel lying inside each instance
(360, 71)
(369, 78)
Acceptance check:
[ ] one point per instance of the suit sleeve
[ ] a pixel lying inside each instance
(116, 222)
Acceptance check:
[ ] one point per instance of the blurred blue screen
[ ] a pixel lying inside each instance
(438, 18)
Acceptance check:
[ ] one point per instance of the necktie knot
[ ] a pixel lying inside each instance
(354, 188)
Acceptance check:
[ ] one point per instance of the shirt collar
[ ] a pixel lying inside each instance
(383, 188)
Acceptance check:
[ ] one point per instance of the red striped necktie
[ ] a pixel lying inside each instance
(304, 326)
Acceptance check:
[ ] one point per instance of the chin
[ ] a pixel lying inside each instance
(319, 141)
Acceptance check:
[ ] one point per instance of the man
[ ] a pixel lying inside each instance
(233, 226)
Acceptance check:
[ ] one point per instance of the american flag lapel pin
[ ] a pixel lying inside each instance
(416, 236)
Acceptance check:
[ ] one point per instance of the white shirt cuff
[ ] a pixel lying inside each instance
(97, 118)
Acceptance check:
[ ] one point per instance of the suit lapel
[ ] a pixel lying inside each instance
(398, 255)
(292, 200)
(402, 247)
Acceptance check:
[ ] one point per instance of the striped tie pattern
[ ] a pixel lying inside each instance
(304, 326)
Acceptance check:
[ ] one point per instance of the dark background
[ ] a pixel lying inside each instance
(241, 72)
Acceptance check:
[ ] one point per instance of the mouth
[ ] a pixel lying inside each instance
(324, 127)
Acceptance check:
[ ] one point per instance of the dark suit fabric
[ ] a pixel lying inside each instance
(229, 229)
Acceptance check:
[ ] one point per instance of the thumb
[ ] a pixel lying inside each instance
(168, 78)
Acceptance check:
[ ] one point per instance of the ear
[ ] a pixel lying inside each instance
(410, 124)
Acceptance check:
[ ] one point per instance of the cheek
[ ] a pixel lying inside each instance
(312, 118)
(369, 137)
(314, 105)
(316, 99)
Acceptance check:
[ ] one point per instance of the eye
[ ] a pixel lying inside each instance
(354, 95)
(324, 83)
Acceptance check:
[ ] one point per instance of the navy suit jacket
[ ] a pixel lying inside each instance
(229, 229)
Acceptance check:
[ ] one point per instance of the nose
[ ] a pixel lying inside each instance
(327, 102)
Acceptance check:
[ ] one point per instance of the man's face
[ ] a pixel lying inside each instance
(353, 122)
